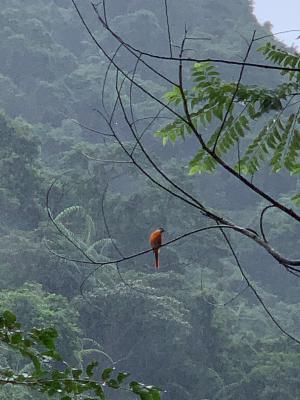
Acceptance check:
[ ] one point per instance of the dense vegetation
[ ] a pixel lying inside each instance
(169, 328)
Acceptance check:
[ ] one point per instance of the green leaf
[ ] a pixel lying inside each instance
(112, 383)
(218, 112)
(9, 318)
(106, 374)
(90, 368)
(165, 140)
(99, 392)
(155, 393)
(46, 336)
(16, 338)
(122, 376)
(52, 354)
(145, 392)
(37, 364)
(208, 116)
(174, 96)
(194, 170)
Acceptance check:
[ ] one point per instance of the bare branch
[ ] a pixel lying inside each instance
(130, 95)
(106, 161)
(261, 221)
(106, 75)
(277, 33)
(197, 38)
(91, 129)
(134, 51)
(236, 228)
(131, 50)
(254, 291)
(168, 28)
(153, 120)
(238, 294)
(193, 201)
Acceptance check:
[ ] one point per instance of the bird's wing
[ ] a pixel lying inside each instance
(155, 239)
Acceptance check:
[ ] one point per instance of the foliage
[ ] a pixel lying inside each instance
(210, 100)
(38, 345)
(167, 327)
(233, 111)
(20, 180)
(35, 307)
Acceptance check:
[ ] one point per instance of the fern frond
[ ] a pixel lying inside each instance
(89, 226)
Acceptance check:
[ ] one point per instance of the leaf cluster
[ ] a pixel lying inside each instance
(39, 346)
(259, 124)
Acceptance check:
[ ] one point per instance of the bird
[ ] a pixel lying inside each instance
(155, 240)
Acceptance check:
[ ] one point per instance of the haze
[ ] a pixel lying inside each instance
(283, 15)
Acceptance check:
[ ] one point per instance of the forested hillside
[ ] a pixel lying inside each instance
(180, 328)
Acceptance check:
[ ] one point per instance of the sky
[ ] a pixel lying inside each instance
(283, 15)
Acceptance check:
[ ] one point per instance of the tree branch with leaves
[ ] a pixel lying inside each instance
(228, 112)
(38, 345)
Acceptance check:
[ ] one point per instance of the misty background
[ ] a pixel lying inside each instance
(170, 327)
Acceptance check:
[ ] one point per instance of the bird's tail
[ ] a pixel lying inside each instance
(156, 253)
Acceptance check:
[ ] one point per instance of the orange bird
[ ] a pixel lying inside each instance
(155, 242)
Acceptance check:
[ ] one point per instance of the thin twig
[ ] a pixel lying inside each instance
(106, 161)
(277, 33)
(91, 129)
(235, 228)
(195, 201)
(254, 291)
(168, 28)
(106, 75)
(130, 95)
(126, 45)
(261, 222)
(134, 51)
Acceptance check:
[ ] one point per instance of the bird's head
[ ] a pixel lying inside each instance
(161, 230)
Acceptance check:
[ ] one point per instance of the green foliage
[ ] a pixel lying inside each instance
(38, 345)
(21, 180)
(163, 326)
(12, 336)
(210, 100)
(229, 113)
(34, 306)
(282, 57)
(282, 140)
